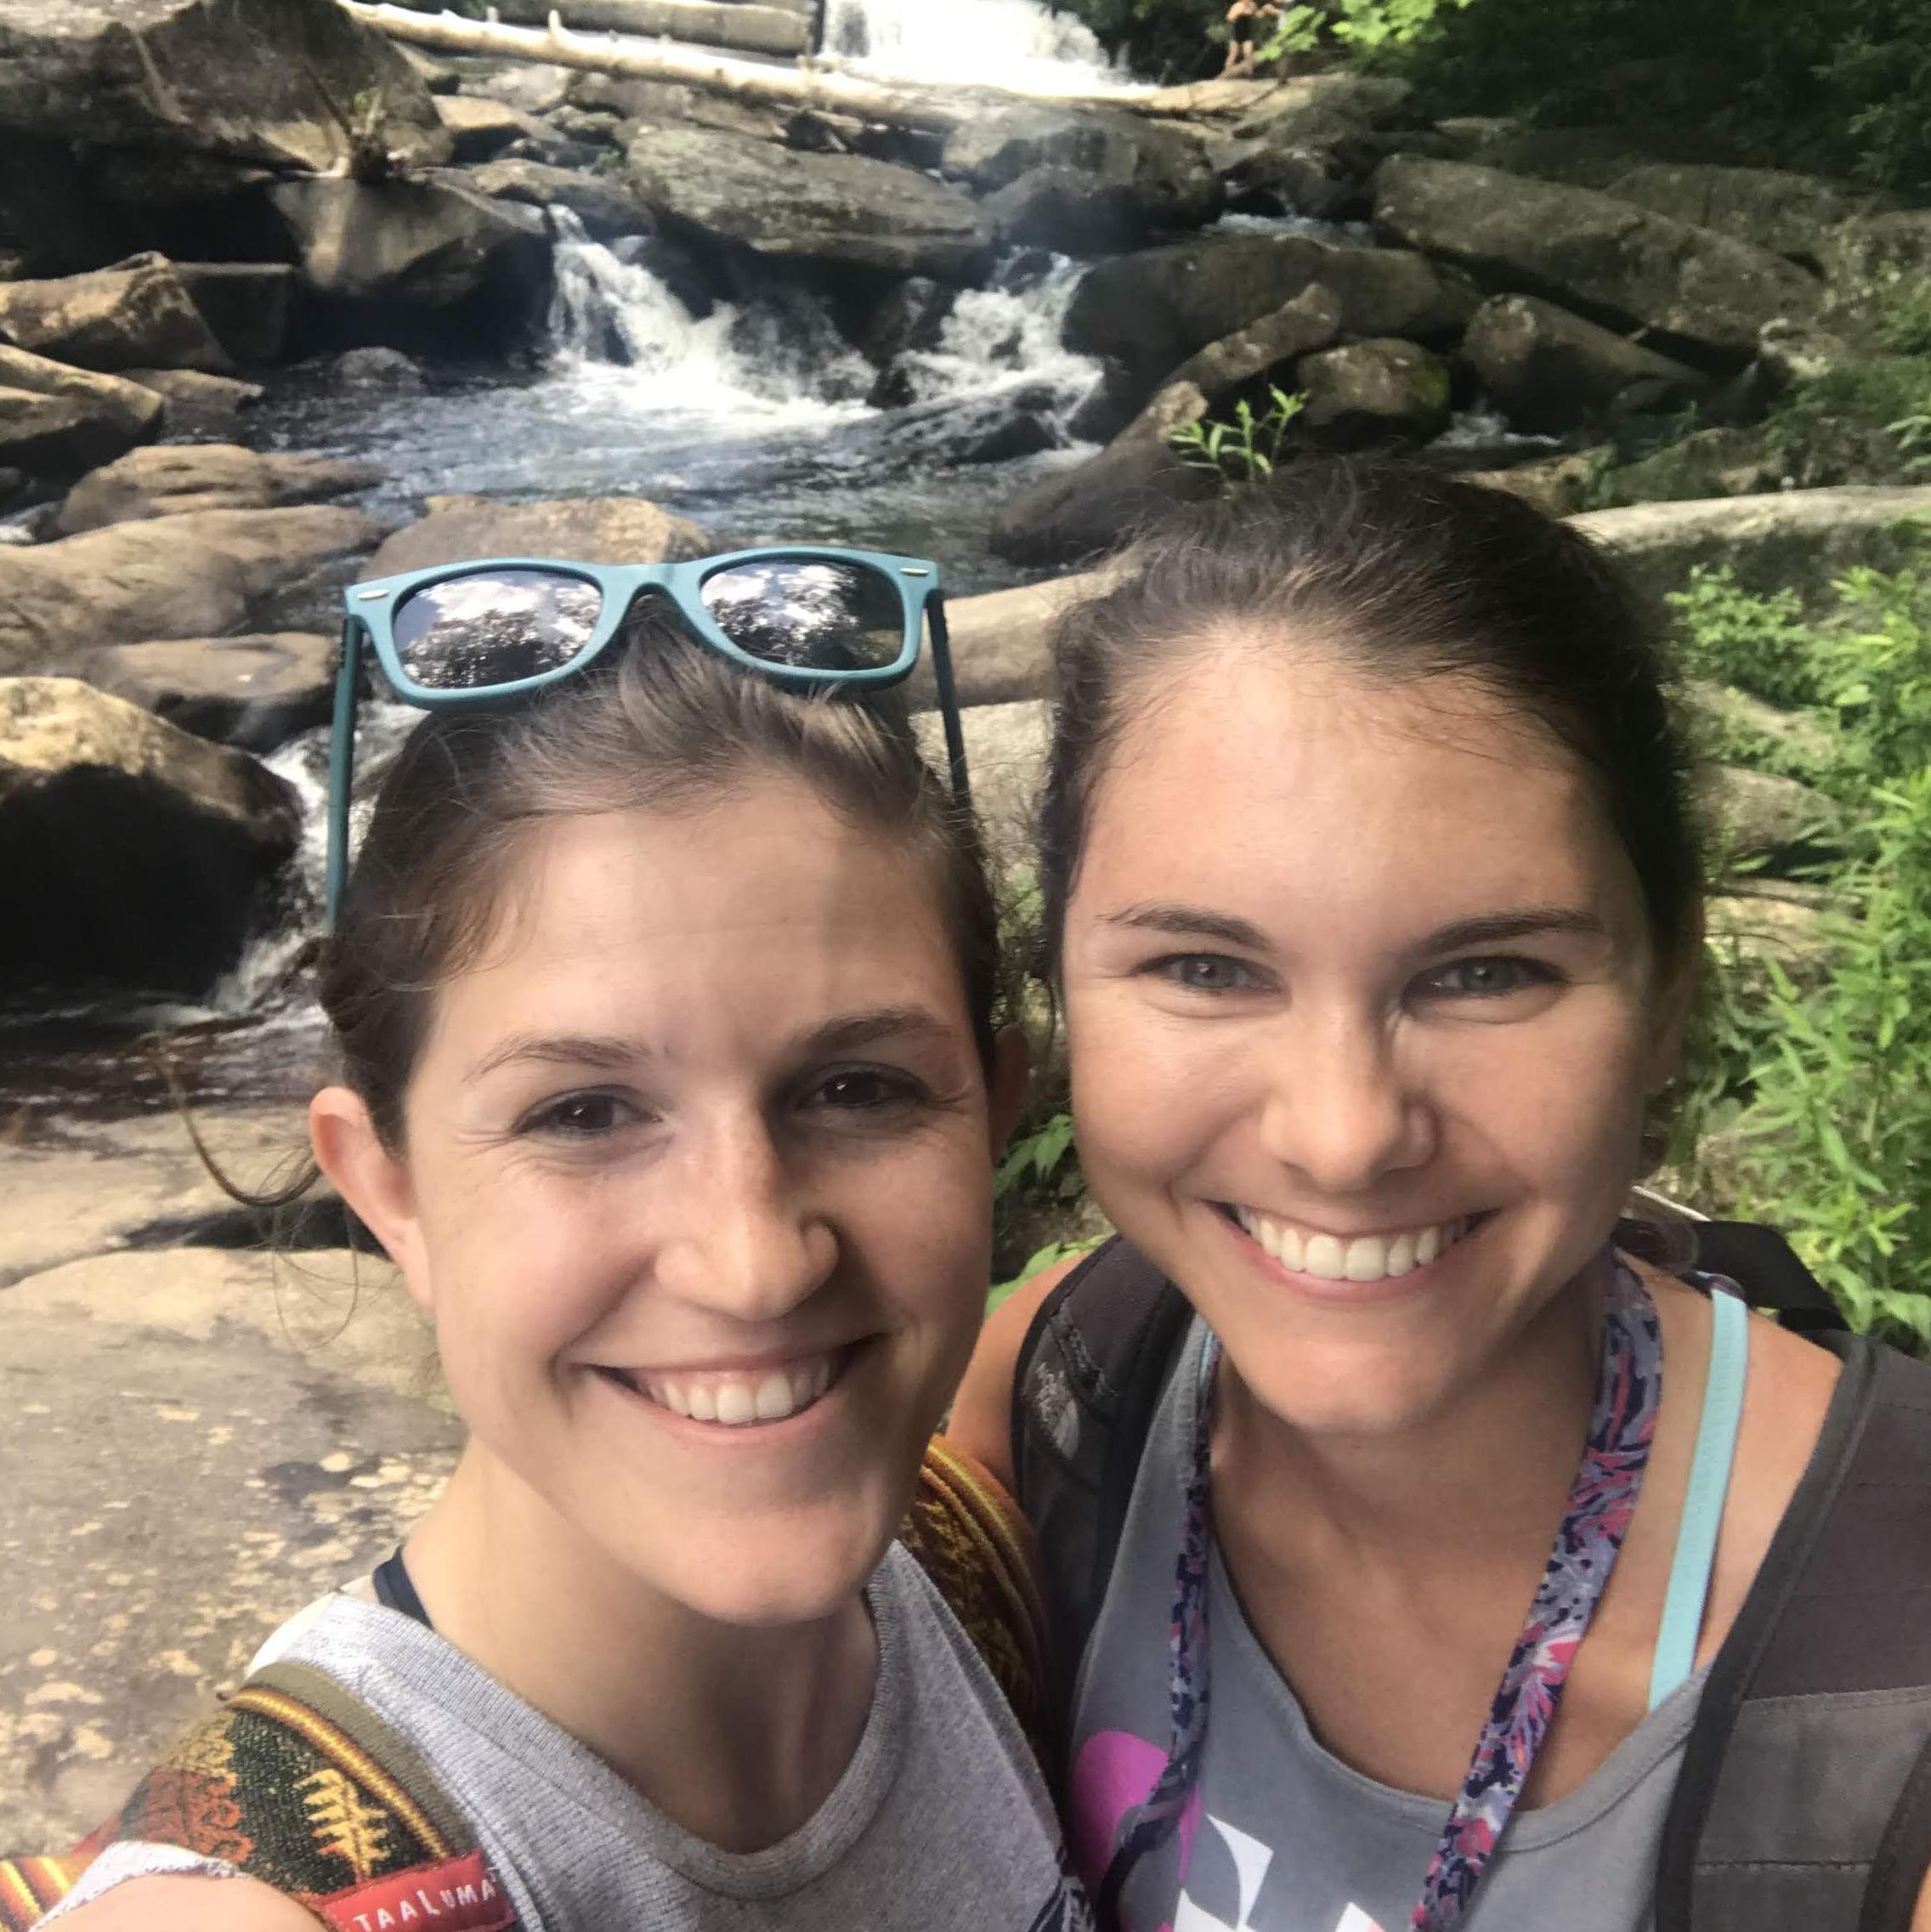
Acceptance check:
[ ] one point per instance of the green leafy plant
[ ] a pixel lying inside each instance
(1037, 1159)
(1038, 1262)
(1762, 644)
(1363, 26)
(1242, 449)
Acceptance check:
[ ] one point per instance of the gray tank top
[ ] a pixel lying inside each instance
(1280, 1835)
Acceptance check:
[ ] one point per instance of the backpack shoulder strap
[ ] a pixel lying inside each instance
(1089, 1377)
(1804, 1804)
(1748, 1252)
(296, 1782)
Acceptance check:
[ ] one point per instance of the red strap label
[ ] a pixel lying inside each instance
(457, 1896)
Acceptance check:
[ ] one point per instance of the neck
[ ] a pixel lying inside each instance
(737, 1734)
(1438, 1490)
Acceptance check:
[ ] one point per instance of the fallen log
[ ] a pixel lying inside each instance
(752, 26)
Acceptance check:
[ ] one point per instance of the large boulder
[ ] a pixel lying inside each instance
(58, 422)
(591, 529)
(482, 129)
(1770, 207)
(425, 259)
(1370, 395)
(191, 576)
(295, 84)
(130, 852)
(1612, 260)
(1867, 248)
(1707, 463)
(247, 305)
(1759, 818)
(178, 479)
(197, 403)
(1005, 754)
(1150, 311)
(1548, 370)
(600, 204)
(1000, 641)
(844, 208)
(255, 693)
(137, 314)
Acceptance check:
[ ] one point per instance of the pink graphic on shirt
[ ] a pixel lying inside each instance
(1113, 1772)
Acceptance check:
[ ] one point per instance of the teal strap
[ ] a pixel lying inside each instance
(1703, 1507)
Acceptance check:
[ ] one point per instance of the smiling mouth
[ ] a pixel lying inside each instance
(1363, 1258)
(737, 1398)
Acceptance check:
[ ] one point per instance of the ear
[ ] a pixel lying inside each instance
(374, 1181)
(1006, 1091)
(1672, 1006)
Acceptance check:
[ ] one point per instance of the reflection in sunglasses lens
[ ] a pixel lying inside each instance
(814, 613)
(494, 627)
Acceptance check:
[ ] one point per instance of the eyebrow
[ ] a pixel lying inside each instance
(1189, 921)
(612, 1053)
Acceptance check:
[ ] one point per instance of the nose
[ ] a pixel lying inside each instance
(741, 1235)
(1340, 1107)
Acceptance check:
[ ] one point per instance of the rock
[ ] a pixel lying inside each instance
(1869, 247)
(130, 852)
(1589, 250)
(386, 369)
(1152, 310)
(1558, 486)
(536, 86)
(1578, 157)
(1548, 370)
(45, 436)
(999, 641)
(136, 315)
(593, 530)
(59, 422)
(254, 693)
(1787, 356)
(139, 1379)
(1735, 718)
(843, 208)
(1005, 754)
(247, 305)
(1326, 183)
(194, 403)
(482, 129)
(1088, 180)
(1751, 930)
(424, 258)
(1707, 463)
(1297, 328)
(910, 317)
(292, 84)
(1804, 538)
(174, 479)
(1756, 816)
(1368, 394)
(1766, 207)
(603, 208)
(190, 576)
(432, 72)
(1314, 110)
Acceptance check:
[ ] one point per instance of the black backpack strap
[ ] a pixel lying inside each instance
(1090, 1375)
(1802, 1803)
(1760, 1257)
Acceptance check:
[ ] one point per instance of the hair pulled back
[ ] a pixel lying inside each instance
(669, 726)
(1399, 574)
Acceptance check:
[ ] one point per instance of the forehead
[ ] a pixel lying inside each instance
(1282, 770)
(761, 912)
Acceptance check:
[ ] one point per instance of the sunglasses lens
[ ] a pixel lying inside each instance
(494, 627)
(812, 613)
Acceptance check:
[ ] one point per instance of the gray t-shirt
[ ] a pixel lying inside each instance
(940, 1821)
(1282, 1836)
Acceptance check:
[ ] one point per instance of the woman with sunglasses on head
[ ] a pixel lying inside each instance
(663, 990)
(1421, 1555)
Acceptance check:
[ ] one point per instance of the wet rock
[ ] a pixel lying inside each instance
(482, 129)
(266, 80)
(136, 315)
(844, 208)
(1590, 251)
(603, 208)
(175, 479)
(254, 693)
(57, 423)
(1767, 207)
(248, 306)
(1370, 394)
(426, 259)
(1707, 463)
(130, 852)
(196, 403)
(911, 316)
(202, 575)
(384, 369)
(594, 529)
(1548, 370)
(1152, 310)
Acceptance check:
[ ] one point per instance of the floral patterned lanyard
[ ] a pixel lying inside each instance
(1601, 1502)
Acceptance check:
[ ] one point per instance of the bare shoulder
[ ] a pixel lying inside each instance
(982, 1413)
(184, 1904)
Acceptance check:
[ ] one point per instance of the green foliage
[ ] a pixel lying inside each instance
(1051, 1255)
(1362, 26)
(1244, 448)
(1038, 1160)
(1760, 644)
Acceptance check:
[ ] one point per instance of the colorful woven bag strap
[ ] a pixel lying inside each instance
(297, 1782)
(969, 1538)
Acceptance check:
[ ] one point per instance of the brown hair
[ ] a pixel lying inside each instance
(1400, 573)
(667, 725)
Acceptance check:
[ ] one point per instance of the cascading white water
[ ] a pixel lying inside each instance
(995, 337)
(1020, 44)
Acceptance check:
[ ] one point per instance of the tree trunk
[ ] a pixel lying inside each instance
(747, 26)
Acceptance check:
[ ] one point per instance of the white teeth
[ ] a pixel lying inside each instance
(703, 1403)
(672, 1397)
(1365, 1258)
(734, 1401)
(774, 1400)
(736, 1404)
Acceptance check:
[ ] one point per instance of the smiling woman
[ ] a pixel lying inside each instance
(669, 1081)
(1446, 1567)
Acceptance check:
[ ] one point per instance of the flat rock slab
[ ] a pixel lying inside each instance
(194, 1447)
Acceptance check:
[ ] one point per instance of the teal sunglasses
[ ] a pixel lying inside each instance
(489, 633)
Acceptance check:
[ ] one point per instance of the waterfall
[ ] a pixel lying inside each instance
(997, 337)
(1022, 45)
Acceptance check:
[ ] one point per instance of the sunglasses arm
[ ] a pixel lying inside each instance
(948, 705)
(341, 771)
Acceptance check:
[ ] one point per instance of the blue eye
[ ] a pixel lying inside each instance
(1205, 972)
(1488, 978)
